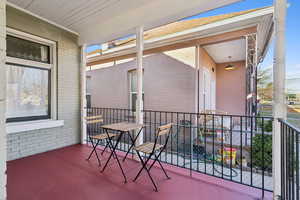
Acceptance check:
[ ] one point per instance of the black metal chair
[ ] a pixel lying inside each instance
(93, 129)
(153, 149)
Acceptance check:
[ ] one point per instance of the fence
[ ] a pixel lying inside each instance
(233, 147)
(290, 161)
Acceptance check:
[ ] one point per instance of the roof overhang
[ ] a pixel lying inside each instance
(98, 21)
(260, 22)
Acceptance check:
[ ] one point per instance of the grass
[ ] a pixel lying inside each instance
(293, 113)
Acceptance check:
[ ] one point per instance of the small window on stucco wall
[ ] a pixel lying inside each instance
(133, 90)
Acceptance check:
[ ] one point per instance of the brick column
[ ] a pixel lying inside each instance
(2, 99)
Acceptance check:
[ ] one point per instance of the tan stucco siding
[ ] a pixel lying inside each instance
(168, 85)
(231, 88)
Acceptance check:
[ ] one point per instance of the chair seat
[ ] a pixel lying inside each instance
(103, 136)
(148, 147)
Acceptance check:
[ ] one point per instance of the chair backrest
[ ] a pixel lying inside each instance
(92, 123)
(164, 129)
(94, 119)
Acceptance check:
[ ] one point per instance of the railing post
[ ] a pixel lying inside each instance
(83, 94)
(279, 107)
(139, 107)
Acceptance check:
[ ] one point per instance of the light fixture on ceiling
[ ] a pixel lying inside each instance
(229, 66)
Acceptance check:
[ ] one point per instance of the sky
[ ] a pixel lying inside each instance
(292, 32)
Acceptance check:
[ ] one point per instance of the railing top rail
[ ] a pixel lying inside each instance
(297, 130)
(190, 113)
(210, 114)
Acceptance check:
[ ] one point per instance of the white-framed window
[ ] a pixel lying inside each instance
(133, 90)
(31, 77)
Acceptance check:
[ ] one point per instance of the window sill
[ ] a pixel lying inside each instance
(17, 127)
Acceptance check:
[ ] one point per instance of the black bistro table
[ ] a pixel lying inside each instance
(122, 128)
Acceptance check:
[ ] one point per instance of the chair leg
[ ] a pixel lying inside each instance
(95, 150)
(104, 148)
(163, 169)
(92, 150)
(99, 163)
(147, 170)
(143, 165)
(157, 160)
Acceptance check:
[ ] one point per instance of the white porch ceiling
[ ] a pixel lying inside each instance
(220, 52)
(98, 21)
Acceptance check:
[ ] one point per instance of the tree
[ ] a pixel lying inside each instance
(264, 84)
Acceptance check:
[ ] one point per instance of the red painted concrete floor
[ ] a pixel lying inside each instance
(65, 174)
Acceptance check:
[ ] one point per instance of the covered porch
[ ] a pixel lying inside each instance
(43, 156)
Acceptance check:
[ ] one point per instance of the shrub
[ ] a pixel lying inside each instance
(268, 125)
(262, 151)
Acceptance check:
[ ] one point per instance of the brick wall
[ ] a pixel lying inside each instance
(68, 90)
(2, 101)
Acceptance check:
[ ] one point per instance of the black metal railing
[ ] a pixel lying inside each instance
(290, 173)
(233, 147)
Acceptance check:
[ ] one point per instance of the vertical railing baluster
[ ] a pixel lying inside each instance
(172, 138)
(191, 146)
(297, 166)
(263, 157)
(177, 118)
(282, 160)
(184, 130)
(287, 164)
(222, 146)
(205, 134)
(251, 151)
(213, 134)
(198, 142)
(166, 121)
(293, 165)
(241, 148)
(231, 126)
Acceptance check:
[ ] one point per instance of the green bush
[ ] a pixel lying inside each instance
(262, 151)
(268, 125)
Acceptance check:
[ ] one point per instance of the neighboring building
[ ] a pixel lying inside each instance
(224, 50)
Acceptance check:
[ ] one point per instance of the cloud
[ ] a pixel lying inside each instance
(293, 71)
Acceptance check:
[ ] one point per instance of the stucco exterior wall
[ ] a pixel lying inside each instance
(3, 147)
(169, 85)
(68, 90)
(231, 88)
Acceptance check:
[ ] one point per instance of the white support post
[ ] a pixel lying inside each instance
(3, 144)
(279, 105)
(197, 79)
(83, 94)
(139, 106)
